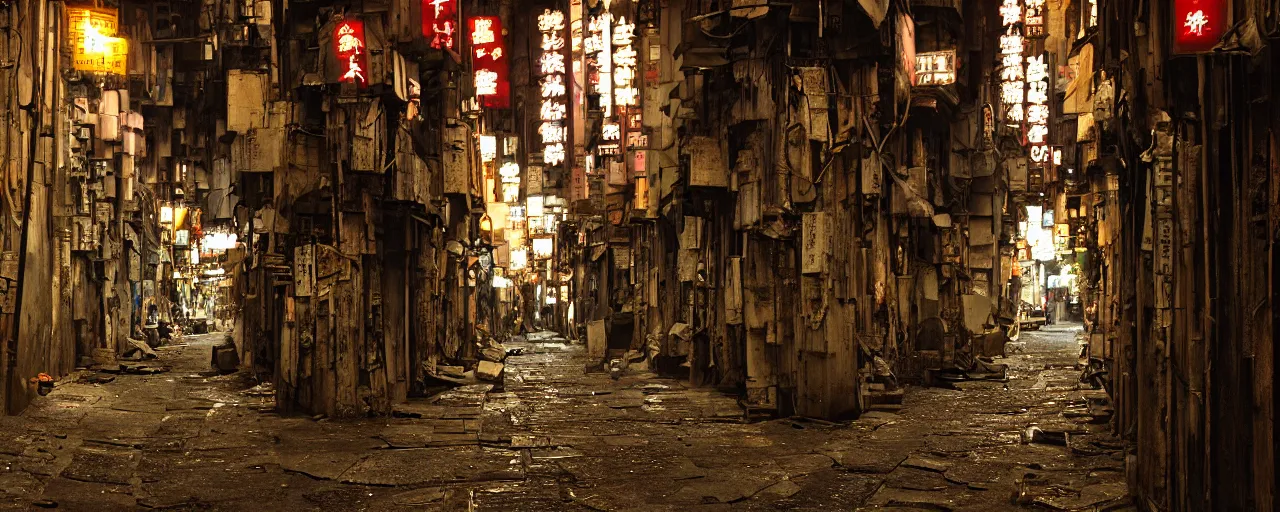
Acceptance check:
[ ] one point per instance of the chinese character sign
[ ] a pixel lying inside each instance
(1198, 24)
(353, 59)
(439, 22)
(553, 84)
(1012, 73)
(1034, 18)
(624, 64)
(1037, 114)
(489, 62)
(936, 68)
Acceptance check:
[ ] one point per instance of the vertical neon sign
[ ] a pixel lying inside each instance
(489, 62)
(348, 41)
(1198, 25)
(1012, 75)
(554, 91)
(439, 22)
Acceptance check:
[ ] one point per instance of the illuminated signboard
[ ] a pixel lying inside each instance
(1198, 25)
(489, 62)
(348, 42)
(92, 38)
(1034, 18)
(599, 49)
(439, 22)
(488, 148)
(1012, 75)
(625, 93)
(936, 68)
(1038, 107)
(509, 174)
(553, 87)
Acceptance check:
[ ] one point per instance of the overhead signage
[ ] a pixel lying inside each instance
(489, 62)
(439, 22)
(1038, 108)
(1198, 25)
(625, 93)
(1034, 18)
(349, 45)
(95, 48)
(936, 68)
(551, 64)
(1012, 74)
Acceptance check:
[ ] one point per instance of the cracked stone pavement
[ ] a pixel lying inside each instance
(556, 438)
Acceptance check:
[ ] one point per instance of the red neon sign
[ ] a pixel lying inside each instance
(439, 22)
(1198, 25)
(348, 42)
(489, 62)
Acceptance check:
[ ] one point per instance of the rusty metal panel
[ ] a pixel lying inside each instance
(1016, 171)
(457, 176)
(733, 292)
(368, 138)
(816, 250)
(981, 231)
(708, 165)
(259, 150)
(304, 270)
(246, 100)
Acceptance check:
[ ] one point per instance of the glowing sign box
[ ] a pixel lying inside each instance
(1012, 73)
(936, 68)
(349, 45)
(489, 62)
(91, 34)
(1198, 25)
(439, 22)
(554, 92)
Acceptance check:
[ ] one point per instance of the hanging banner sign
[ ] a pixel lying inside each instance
(1034, 19)
(1198, 25)
(439, 22)
(1012, 74)
(1038, 108)
(353, 60)
(935, 68)
(92, 37)
(553, 86)
(625, 59)
(489, 62)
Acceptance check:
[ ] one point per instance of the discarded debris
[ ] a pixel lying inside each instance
(138, 350)
(488, 370)
(225, 357)
(1037, 435)
(492, 351)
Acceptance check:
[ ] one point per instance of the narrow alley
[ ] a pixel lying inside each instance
(555, 438)
(639, 255)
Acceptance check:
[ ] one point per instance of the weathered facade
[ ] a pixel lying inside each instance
(1179, 153)
(811, 216)
(806, 203)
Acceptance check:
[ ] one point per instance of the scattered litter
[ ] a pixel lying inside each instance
(263, 389)
(488, 370)
(1037, 435)
(138, 350)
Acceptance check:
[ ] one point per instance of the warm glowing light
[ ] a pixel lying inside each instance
(483, 33)
(488, 148)
(1196, 22)
(486, 82)
(349, 45)
(489, 62)
(553, 88)
(1012, 72)
(92, 37)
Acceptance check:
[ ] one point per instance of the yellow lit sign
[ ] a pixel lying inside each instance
(92, 37)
